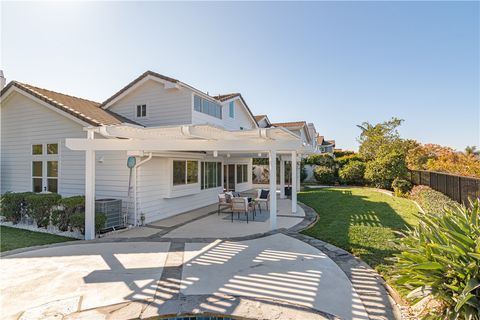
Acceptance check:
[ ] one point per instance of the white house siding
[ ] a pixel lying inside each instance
(241, 118)
(154, 197)
(164, 106)
(25, 122)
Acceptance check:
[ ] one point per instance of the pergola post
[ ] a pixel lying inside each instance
(282, 178)
(90, 191)
(273, 189)
(294, 181)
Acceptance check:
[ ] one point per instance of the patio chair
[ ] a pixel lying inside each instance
(224, 201)
(263, 196)
(241, 205)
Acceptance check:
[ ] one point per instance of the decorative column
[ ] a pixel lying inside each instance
(294, 182)
(282, 178)
(90, 190)
(273, 189)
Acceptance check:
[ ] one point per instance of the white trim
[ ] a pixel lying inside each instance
(49, 106)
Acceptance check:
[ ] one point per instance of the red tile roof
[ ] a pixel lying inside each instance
(83, 109)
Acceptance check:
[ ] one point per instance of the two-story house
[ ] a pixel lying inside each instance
(184, 146)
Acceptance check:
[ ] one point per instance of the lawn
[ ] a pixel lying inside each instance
(359, 220)
(12, 238)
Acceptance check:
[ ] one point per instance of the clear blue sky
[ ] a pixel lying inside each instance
(336, 64)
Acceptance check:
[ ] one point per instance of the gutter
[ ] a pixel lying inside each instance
(150, 155)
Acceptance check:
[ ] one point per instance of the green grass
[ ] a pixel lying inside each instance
(361, 221)
(13, 238)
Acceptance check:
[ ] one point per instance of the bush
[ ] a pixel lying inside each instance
(352, 173)
(342, 161)
(12, 204)
(441, 258)
(40, 205)
(78, 221)
(303, 173)
(401, 187)
(431, 201)
(342, 153)
(69, 206)
(324, 175)
(385, 168)
(325, 160)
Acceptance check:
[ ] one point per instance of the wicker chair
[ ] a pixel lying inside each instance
(259, 199)
(241, 205)
(223, 203)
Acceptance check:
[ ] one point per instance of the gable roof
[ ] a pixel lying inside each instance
(83, 109)
(294, 124)
(321, 141)
(135, 81)
(228, 96)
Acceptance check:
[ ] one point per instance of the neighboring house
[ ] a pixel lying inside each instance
(188, 146)
(325, 146)
(263, 121)
(299, 128)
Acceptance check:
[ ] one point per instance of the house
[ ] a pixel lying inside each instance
(325, 146)
(184, 147)
(299, 128)
(263, 121)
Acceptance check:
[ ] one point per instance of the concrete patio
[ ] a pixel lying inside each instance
(206, 223)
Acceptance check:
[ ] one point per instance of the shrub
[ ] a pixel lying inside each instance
(70, 205)
(325, 160)
(303, 173)
(12, 204)
(401, 187)
(385, 168)
(40, 206)
(342, 153)
(78, 221)
(441, 258)
(324, 175)
(352, 173)
(342, 161)
(430, 200)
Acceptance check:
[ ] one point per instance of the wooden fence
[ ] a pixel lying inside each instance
(458, 188)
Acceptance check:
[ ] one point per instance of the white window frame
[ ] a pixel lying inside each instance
(141, 111)
(44, 158)
(203, 175)
(186, 173)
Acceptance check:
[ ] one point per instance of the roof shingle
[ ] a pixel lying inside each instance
(293, 124)
(83, 109)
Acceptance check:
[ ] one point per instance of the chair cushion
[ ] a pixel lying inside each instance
(264, 194)
(236, 194)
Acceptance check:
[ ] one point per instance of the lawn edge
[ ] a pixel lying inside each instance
(345, 261)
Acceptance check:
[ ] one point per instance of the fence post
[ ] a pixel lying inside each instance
(459, 189)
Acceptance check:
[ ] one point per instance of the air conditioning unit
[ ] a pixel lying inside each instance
(112, 208)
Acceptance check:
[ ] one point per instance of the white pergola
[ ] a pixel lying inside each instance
(276, 142)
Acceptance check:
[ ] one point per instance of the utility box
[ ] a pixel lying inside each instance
(112, 209)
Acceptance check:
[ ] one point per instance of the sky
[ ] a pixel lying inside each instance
(336, 64)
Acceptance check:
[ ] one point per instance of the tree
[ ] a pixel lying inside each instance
(386, 167)
(472, 150)
(373, 137)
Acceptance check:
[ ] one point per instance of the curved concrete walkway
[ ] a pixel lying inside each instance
(283, 275)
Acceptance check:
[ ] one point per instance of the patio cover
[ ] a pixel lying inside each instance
(274, 141)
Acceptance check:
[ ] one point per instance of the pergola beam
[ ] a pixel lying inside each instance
(247, 145)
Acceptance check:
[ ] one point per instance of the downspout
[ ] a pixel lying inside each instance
(135, 186)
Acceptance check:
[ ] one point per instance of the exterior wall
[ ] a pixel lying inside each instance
(241, 117)
(25, 122)
(164, 106)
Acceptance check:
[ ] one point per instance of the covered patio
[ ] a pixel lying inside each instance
(145, 143)
(206, 222)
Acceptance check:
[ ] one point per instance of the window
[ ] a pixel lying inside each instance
(52, 148)
(37, 149)
(141, 110)
(185, 172)
(205, 106)
(242, 173)
(231, 109)
(211, 174)
(45, 167)
(37, 175)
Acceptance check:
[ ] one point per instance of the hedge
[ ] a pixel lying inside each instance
(352, 173)
(431, 201)
(324, 175)
(12, 204)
